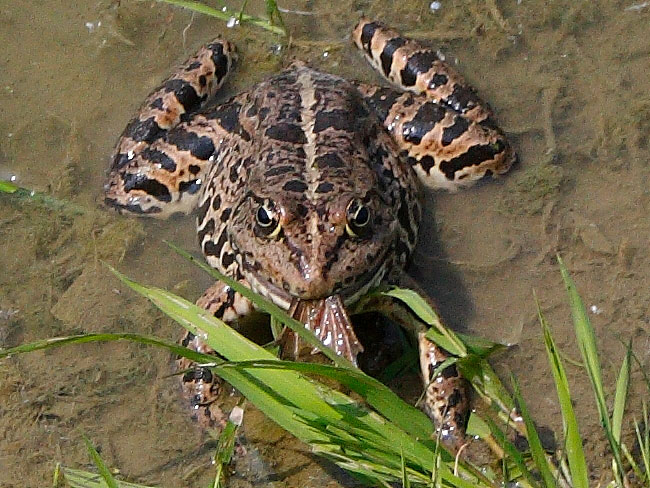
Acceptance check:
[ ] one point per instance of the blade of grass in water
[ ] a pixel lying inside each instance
(589, 352)
(536, 449)
(225, 449)
(23, 194)
(226, 16)
(572, 439)
(85, 338)
(104, 472)
(620, 398)
(77, 478)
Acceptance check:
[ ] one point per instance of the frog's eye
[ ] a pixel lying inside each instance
(266, 219)
(358, 219)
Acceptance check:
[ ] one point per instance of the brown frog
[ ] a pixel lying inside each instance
(307, 186)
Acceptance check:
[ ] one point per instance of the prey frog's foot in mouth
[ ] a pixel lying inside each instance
(329, 321)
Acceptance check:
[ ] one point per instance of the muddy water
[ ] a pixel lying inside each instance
(569, 81)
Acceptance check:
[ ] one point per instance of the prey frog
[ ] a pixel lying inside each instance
(307, 186)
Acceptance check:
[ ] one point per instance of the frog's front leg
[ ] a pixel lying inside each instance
(200, 386)
(160, 160)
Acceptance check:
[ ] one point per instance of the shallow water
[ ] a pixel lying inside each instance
(570, 83)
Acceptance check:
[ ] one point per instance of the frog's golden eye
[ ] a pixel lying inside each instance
(358, 215)
(267, 220)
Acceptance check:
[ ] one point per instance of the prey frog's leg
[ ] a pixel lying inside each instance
(160, 159)
(446, 393)
(200, 386)
(447, 133)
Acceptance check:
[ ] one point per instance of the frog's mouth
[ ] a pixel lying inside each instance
(348, 294)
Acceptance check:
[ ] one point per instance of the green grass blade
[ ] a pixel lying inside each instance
(536, 449)
(85, 338)
(225, 449)
(573, 441)
(378, 395)
(77, 478)
(438, 333)
(225, 16)
(23, 194)
(8, 187)
(271, 308)
(620, 397)
(406, 482)
(589, 351)
(104, 472)
(513, 454)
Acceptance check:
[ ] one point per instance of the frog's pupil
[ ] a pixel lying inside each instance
(263, 217)
(362, 216)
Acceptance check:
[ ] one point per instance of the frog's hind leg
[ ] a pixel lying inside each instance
(157, 167)
(200, 386)
(446, 392)
(446, 132)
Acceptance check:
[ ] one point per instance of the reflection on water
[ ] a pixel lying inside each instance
(568, 80)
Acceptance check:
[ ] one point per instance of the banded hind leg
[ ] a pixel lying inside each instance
(200, 386)
(158, 166)
(444, 130)
(446, 393)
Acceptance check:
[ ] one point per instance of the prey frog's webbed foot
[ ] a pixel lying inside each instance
(328, 319)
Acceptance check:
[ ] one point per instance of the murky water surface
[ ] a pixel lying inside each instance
(570, 83)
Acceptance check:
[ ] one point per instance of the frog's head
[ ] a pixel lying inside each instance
(311, 240)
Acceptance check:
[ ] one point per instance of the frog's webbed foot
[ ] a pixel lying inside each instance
(328, 319)
(202, 388)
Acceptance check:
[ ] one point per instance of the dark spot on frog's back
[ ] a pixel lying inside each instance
(425, 119)
(475, 155)
(286, 132)
(383, 100)
(219, 59)
(158, 157)
(278, 170)
(146, 130)
(201, 147)
(335, 119)
(329, 160)
(190, 187)
(324, 187)
(295, 186)
(455, 130)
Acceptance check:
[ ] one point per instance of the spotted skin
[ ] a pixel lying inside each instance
(446, 132)
(158, 171)
(306, 187)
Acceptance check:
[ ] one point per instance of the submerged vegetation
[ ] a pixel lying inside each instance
(273, 21)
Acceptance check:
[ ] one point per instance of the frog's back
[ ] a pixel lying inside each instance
(307, 149)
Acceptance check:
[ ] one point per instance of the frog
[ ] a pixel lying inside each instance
(308, 188)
